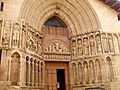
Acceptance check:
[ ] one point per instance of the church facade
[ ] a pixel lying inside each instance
(59, 45)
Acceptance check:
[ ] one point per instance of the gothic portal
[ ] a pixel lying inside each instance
(59, 45)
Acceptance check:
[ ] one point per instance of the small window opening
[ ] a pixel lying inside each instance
(118, 17)
(0, 55)
(1, 6)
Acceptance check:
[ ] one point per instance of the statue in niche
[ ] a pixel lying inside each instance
(39, 48)
(98, 44)
(73, 43)
(104, 39)
(79, 42)
(23, 36)
(110, 43)
(16, 35)
(31, 43)
(92, 46)
(6, 33)
(5, 40)
(74, 51)
(86, 46)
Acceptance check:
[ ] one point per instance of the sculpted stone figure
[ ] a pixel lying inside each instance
(86, 46)
(39, 48)
(16, 35)
(98, 44)
(5, 40)
(79, 51)
(92, 46)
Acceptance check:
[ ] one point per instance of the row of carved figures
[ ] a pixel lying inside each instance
(20, 35)
(95, 43)
(92, 71)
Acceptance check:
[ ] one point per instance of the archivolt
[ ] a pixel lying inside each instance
(77, 14)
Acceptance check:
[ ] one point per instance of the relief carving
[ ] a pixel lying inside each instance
(98, 44)
(92, 45)
(16, 29)
(5, 39)
(79, 42)
(57, 47)
(6, 33)
(86, 46)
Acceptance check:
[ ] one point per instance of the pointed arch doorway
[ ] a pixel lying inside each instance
(56, 54)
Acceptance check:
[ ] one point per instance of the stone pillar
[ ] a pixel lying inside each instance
(11, 34)
(32, 73)
(28, 74)
(42, 74)
(9, 69)
(1, 32)
(36, 74)
(77, 77)
(23, 72)
(96, 77)
(39, 73)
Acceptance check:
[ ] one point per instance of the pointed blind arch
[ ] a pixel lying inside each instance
(55, 22)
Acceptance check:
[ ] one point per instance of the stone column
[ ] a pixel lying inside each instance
(11, 30)
(2, 27)
(36, 74)
(39, 73)
(32, 73)
(96, 77)
(42, 74)
(21, 71)
(9, 69)
(28, 74)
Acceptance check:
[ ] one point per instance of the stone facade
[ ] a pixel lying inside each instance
(81, 54)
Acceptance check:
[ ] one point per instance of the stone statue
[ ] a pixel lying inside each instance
(15, 38)
(92, 46)
(79, 50)
(98, 44)
(104, 40)
(74, 51)
(39, 48)
(16, 35)
(5, 40)
(86, 46)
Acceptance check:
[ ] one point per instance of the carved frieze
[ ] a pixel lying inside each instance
(6, 33)
(56, 47)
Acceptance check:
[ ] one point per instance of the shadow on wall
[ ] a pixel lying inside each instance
(97, 88)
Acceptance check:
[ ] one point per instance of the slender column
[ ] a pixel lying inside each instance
(22, 71)
(96, 77)
(28, 77)
(42, 74)
(11, 29)
(95, 45)
(36, 74)
(2, 27)
(33, 73)
(20, 36)
(9, 68)
(39, 71)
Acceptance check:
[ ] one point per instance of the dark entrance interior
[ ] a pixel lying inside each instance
(61, 79)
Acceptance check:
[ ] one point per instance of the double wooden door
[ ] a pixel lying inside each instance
(56, 76)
